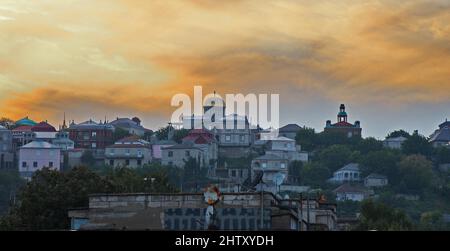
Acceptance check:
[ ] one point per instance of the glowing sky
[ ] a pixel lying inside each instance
(389, 61)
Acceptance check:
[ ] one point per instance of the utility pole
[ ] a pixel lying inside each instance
(307, 211)
(301, 212)
(262, 207)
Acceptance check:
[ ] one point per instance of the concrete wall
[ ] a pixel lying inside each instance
(178, 211)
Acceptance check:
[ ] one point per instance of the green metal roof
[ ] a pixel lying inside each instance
(26, 122)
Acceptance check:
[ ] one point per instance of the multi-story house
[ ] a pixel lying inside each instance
(37, 155)
(133, 126)
(289, 131)
(6, 148)
(63, 141)
(91, 135)
(279, 153)
(128, 152)
(22, 135)
(348, 173)
(177, 155)
(204, 140)
(343, 126)
(394, 143)
(441, 137)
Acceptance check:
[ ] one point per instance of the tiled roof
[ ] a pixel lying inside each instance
(290, 128)
(342, 124)
(22, 129)
(350, 167)
(43, 127)
(181, 146)
(347, 188)
(441, 135)
(91, 125)
(40, 144)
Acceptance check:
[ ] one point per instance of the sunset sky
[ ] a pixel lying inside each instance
(388, 61)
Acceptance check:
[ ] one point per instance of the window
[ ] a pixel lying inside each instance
(24, 164)
(93, 134)
(127, 162)
(111, 162)
(227, 138)
(283, 165)
(242, 138)
(188, 153)
(264, 165)
(233, 173)
(50, 164)
(139, 152)
(94, 145)
(170, 154)
(139, 162)
(35, 164)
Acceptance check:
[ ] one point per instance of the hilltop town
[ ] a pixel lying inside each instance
(120, 175)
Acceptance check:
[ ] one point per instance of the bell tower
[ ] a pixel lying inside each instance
(342, 115)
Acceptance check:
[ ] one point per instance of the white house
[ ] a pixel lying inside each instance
(350, 192)
(130, 152)
(37, 155)
(394, 143)
(348, 173)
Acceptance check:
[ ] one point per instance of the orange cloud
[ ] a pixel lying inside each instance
(107, 58)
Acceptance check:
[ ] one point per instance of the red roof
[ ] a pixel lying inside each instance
(343, 124)
(199, 136)
(22, 129)
(43, 127)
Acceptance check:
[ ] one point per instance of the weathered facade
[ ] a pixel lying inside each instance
(128, 152)
(6, 148)
(235, 211)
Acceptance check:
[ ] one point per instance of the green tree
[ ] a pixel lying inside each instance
(162, 133)
(416, 173)
(179, 135)
(398, 133)
(433, 220)
(120, 133)
(314, 174)
(7, 122)
(10, 183)
(336, 156)
(367, 145)
(44, 200)
(442, 155)
(417, 144)
(307, 139)
(378, 216)
(382, 162)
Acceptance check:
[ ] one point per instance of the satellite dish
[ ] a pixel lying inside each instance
(279, 178)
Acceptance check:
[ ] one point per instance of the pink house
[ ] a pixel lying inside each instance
(37, 155)
(157, 147)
